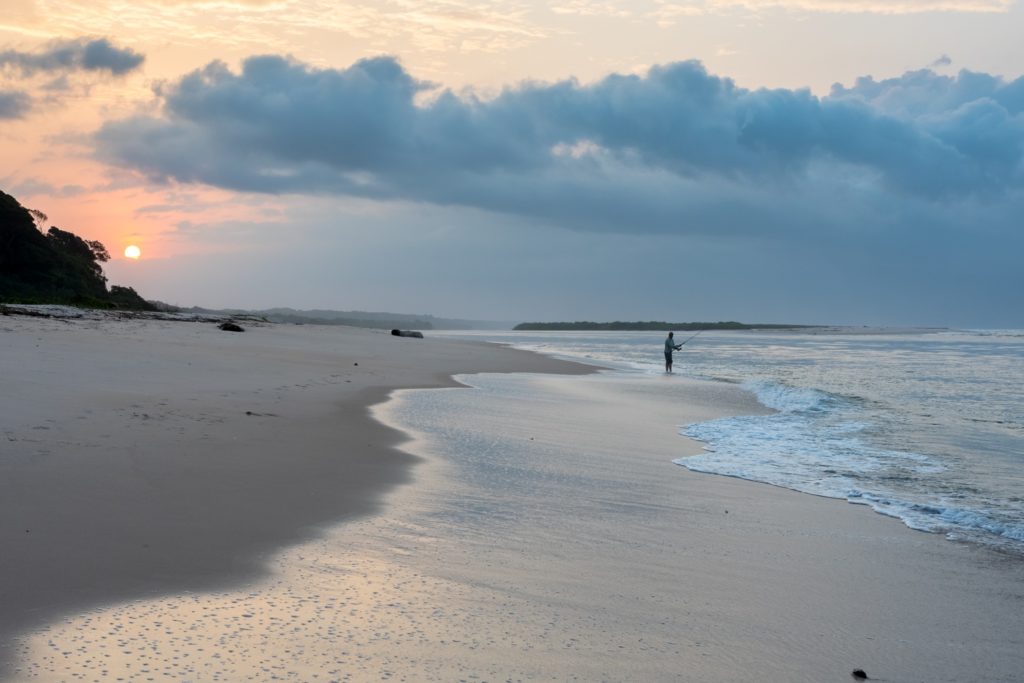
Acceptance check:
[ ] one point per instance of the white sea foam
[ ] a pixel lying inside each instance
(948, 519)
(812, 445)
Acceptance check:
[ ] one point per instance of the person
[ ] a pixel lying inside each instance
(670, 346)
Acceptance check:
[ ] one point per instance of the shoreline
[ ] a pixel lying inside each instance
(786, 585)
(852, 435)
(148, 457)
(551, 535)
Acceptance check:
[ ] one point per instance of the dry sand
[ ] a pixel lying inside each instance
(561, 545)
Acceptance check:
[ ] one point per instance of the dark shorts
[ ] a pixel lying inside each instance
(668, 356)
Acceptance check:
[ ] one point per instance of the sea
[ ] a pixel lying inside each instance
(925, 426)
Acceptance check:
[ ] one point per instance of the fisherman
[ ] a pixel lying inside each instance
(670, 346)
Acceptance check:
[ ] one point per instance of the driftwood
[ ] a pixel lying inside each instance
(407, 333)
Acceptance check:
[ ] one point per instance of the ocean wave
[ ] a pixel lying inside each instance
(819, 443)
(942, 518)
(955, 522)
(788, 399)
(1010, 334)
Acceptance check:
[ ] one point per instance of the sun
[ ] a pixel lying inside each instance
(132, 251)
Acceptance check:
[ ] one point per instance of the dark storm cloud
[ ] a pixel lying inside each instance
(80, 54)
(892, 200)
(678, 149)
(14, 104)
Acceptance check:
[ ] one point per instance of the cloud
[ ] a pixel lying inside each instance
(592, 8)
(227, 3)
(81, 54)
(892, 200)
(59, 70)
(14, 104)
(432, 26)
(34, 187)
(670, 12)
(869, 6)
(924, 95)
(627, 152)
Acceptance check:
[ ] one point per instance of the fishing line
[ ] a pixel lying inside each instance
(691, 337)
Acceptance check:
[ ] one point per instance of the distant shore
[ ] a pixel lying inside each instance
(651, 326)
(656, 326)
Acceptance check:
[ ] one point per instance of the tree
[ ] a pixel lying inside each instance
(25, 253)
(126, 297)
(81, 270)
(56, 267)
(39, 217)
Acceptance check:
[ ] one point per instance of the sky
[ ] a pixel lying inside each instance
(853, 162)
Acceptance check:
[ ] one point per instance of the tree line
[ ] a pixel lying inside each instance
(650, 325)
(56, 266)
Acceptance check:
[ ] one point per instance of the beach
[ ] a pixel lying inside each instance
(326, 503)
(142, 457)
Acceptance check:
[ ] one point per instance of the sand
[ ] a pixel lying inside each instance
(145, 457)
(180, 503)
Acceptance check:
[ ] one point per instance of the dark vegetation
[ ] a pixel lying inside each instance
(55, 267)
(652, 325)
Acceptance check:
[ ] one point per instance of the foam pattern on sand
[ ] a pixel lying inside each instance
(331, 617)
(330, 621)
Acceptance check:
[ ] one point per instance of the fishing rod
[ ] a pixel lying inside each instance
(691, 337)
